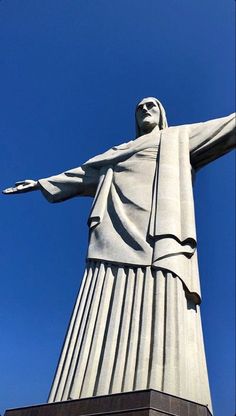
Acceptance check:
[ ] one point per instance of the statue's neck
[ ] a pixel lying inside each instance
(149, 129)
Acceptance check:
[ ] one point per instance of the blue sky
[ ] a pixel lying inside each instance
(71, 74)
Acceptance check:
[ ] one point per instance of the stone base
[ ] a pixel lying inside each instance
(136, 403)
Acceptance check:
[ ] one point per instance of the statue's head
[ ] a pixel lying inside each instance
(149, 113)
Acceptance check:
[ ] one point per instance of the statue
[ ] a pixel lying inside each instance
(136, 323)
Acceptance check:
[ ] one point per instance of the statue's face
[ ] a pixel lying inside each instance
(147, 114)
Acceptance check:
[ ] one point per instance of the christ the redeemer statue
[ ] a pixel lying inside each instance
(137, 324)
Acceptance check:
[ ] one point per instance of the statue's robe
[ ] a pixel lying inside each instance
(136, 323)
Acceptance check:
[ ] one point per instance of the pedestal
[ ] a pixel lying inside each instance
(136, 403)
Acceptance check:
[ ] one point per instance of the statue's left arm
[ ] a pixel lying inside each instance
(211, 139)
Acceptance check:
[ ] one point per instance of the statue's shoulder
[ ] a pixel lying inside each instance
(123, 146)
(109, 155)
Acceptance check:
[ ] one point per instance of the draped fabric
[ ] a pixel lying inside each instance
(143, 205)
(131, 329)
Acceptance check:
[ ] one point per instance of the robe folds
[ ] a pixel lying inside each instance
(165, 236)
(136, 323)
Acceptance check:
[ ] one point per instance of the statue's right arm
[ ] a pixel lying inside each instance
(21, 187)
(82, 181)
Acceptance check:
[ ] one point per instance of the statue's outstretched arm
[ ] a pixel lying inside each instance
(81, 181)
(211, 139)
(21, 187)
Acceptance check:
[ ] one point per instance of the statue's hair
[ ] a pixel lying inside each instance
(163, 120)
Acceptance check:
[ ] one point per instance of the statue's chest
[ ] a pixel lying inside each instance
(140, 163)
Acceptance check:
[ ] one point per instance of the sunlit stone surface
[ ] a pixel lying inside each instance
(136, 324)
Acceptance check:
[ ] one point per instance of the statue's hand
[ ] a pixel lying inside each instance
(21, 187)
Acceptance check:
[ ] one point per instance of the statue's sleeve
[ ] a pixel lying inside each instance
(211, 139)
(82, 181)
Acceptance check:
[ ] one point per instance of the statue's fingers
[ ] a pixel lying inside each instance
(20, 183)
(9, 190)
(22, 186)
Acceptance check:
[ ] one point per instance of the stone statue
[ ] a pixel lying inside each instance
(136, 323)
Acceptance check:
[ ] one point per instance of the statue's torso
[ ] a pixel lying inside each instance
(122, 235)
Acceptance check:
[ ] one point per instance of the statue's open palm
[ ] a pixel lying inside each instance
(22, 186)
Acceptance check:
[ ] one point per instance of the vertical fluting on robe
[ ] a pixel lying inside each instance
(132, 329)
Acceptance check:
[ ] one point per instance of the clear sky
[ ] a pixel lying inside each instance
(71, 73)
